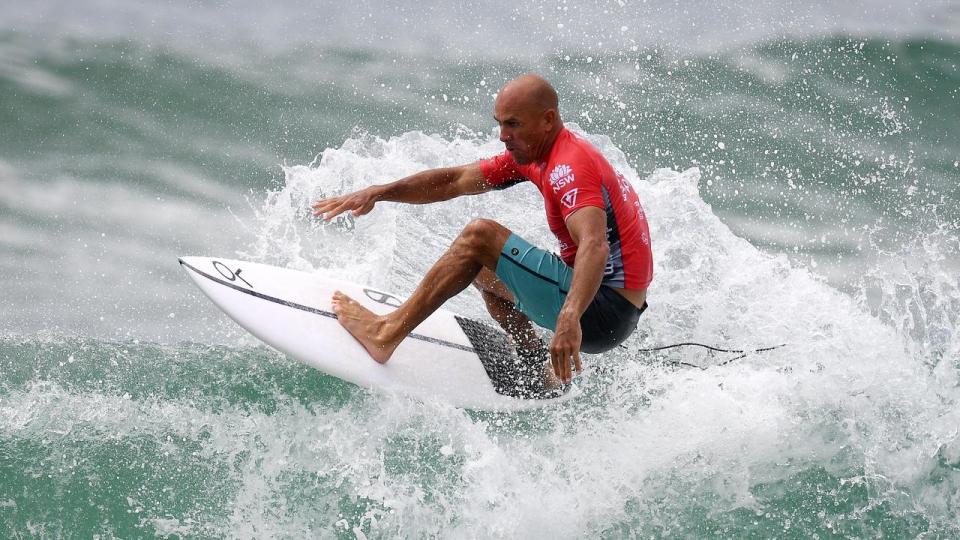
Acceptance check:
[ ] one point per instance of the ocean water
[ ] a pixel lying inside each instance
(798, 161)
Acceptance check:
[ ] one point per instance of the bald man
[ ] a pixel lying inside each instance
(591, 295)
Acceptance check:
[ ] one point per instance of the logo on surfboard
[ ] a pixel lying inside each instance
(231, 275)
(382, 298)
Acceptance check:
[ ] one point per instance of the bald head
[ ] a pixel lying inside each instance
(530, 92)
(527, 111)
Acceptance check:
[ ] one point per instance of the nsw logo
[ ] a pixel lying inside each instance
(569, 198)
(560, 176)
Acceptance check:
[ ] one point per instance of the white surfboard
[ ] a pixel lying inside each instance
(460, 361)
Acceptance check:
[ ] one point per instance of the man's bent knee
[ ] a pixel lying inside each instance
(484, 238)
(485, 230)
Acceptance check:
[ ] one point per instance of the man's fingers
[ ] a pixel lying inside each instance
(572, 364)
(327, 202)
(337, 210)
(363, 209)
(335, 207)
(561, 363)
(321, 207)
(334, 213)
(359, 203)
(324, 212)
(564, 359)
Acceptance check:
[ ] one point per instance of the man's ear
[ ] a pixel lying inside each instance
(550, 118)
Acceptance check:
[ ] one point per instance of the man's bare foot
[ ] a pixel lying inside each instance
(551, 381)
(365, 326)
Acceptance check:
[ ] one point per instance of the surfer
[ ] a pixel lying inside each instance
(591, 295)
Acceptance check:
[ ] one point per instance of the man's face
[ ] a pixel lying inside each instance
(523, 129)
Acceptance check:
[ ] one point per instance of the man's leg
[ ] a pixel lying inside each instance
(501, 305)
(477, 247)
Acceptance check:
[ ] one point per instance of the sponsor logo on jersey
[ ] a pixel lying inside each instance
(569, 198)
(561, 175)
(625, 188)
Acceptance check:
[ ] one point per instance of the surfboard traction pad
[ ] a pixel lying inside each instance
(515, 374)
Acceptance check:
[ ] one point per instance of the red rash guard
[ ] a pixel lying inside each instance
(574, 175)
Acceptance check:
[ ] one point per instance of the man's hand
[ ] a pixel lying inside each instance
(360, 202)
(566, 346)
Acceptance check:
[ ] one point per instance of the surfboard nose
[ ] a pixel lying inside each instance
(190, 266)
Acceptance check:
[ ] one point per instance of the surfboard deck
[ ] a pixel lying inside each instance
(463, 362)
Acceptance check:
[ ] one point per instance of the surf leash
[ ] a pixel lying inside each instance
(742, 352)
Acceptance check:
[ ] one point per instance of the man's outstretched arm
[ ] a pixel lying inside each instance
(428, 186)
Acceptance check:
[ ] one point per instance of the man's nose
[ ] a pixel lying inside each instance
(504, 137)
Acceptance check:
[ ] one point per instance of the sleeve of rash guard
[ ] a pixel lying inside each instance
(576, 185)
(500, 171)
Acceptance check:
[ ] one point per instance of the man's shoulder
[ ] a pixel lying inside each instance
(576, 147)
(576, 154)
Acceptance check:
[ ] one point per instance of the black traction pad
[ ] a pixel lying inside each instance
(519, 376)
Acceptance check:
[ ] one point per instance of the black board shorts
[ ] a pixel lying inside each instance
(608, 321)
